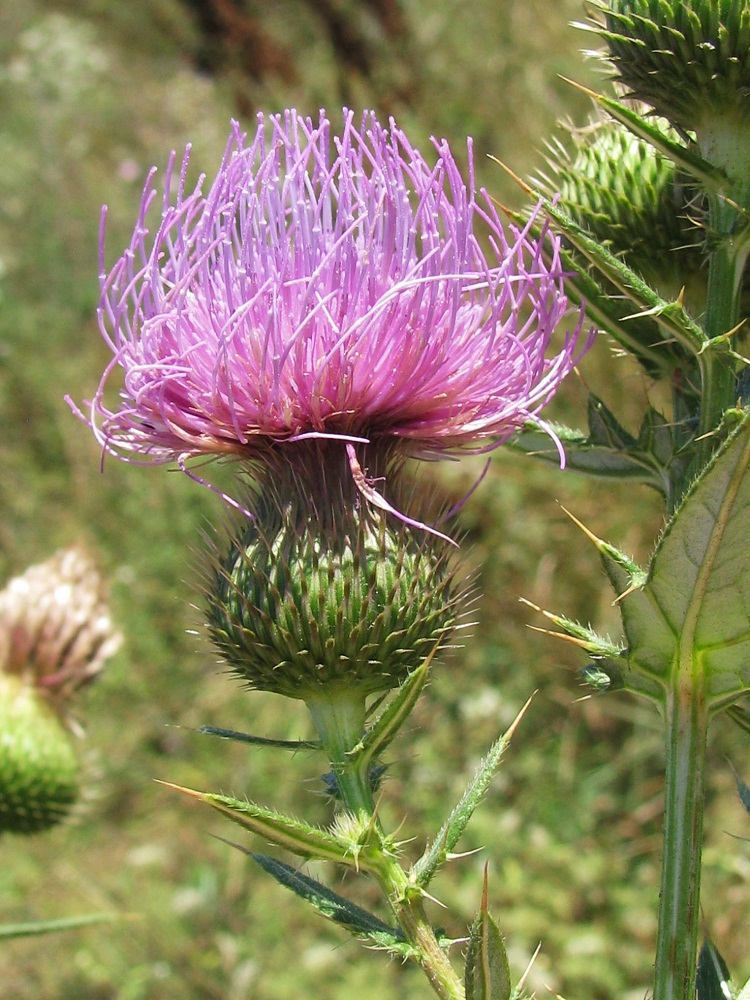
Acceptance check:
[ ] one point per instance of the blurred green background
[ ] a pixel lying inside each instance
(92, 92)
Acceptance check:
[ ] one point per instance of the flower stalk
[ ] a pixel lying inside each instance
(686, 719)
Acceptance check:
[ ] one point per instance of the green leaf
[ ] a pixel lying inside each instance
(711, 177)
(744, 993)
(393, 716)
(450, 832)
(671, 316)
(585, 456)
(605, 429)
(284, 831)
(712, 979)
(261, 741)
(693, 611)
(356, 920)
(487, 974)
(38, 927)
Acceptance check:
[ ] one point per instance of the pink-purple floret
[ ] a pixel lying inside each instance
(328, 285)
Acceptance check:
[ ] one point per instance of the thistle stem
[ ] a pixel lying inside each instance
(339, 716)
(407, 903)
(725, 269)
(686, 718)
(723, 141)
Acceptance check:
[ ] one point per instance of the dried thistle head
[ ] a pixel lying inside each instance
(56, 631)
(55, 635)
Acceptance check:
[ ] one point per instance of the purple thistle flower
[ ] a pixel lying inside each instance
(327, 286)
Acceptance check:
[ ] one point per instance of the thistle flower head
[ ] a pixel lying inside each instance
(55, 635)
(327, 285)
(688, 59)
(56, 632)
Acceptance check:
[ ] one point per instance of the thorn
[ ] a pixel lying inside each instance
(434, 899)
(527, 970)
(626, 593)
(589, 534)
(525, 187)
(584, 90)
(191, 792)
(581, 643)
(530, 604)
(514, 724)
(463, 854)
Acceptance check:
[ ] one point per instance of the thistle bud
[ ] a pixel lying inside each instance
(689, 60)
(55, 636)
(630, 198)
(319, 589)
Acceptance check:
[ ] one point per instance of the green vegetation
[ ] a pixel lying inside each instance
(93, 92)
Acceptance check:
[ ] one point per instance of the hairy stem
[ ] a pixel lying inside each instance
(339, 716)
(686, 717)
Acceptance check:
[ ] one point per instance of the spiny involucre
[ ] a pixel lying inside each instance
(327, 285)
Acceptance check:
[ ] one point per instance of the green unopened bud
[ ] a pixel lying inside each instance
(39, 770)
(687, 59)
(321, 590)
(630, 198)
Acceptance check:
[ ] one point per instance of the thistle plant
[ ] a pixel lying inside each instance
(684, 616)
(335, 305)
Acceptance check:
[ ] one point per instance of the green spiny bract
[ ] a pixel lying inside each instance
(39, 769)
(632, 199)
(325, 590)
(687, 59)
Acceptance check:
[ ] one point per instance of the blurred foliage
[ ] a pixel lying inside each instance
(92, 92)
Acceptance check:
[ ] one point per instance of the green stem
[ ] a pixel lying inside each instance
(686, 717)
(407, 903)
(725, 269)
(723, 141)
(339, 716)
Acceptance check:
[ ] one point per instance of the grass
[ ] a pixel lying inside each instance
(91, 93)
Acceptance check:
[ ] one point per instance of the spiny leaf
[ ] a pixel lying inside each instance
(38, 927)
(712, 978)
(695, 602)
(583, 455)
(354, 918)
(711, 177)
(487, 974)
(262, 741)
(293, 835)
(669, 315)
(640, 335)
(393, 716)
(449, 834)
